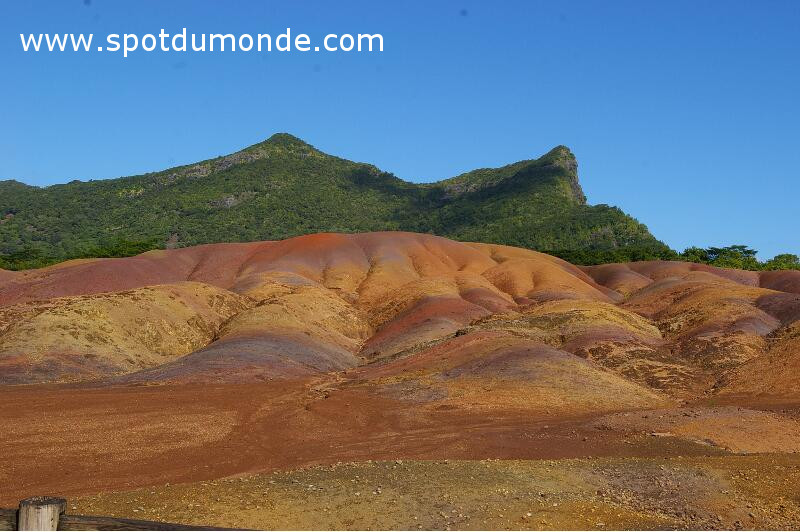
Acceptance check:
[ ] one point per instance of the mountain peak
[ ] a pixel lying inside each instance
(286, 139)
(562, 157)
(281, 142)
(559, 160)
(560, 151)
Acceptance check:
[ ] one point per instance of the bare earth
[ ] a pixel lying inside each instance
(394, 380)
(608, 493)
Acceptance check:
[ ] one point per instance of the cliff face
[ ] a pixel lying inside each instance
(566, 160)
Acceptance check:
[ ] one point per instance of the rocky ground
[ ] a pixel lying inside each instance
(730, 492)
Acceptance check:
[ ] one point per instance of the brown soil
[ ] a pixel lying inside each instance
(648, 395)
(604, 493)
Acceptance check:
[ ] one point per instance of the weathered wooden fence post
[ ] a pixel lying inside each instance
(47, 513)
(40, 513)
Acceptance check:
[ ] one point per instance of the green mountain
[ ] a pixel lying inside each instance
(283, 187)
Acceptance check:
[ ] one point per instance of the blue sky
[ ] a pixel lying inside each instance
(684, 114)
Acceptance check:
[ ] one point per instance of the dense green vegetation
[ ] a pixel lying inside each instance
(605, 256)
(284, 187)
(31, 257)
(736, 256)
(741, 257)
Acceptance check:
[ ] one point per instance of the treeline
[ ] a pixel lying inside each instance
(741, 257)
(737, 256)
(31, 257)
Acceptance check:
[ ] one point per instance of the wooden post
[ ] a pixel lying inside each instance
(40, 513)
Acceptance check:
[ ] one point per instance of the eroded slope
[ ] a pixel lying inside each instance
(320, 304)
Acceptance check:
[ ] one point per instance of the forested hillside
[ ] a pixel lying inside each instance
(284, 187)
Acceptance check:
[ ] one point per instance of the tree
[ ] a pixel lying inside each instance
(695, 254)
(736, 256)
(784, 261)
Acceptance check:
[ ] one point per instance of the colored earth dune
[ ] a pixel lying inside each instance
(174, 371)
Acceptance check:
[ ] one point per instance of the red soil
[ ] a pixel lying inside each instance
(377, 346)
(633, 276)
(386, 258)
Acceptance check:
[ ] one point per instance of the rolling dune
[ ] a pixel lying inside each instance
(225, 359)
(324, 303)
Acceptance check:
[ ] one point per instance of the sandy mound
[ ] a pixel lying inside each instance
(628, 278)
(715, 325)
(76, 338)
(496, 369)
(327, 302)
(634, 275)
(618, 277)
(775, 374)
(340, 296)
(243, 358)
(734, 429)
(365, 267)
(785, 281)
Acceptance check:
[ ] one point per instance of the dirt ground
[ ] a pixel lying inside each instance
(730, 492)
(299, 455)
(402, 381)
(75, 440)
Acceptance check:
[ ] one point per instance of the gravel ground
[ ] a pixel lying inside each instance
(723, 492)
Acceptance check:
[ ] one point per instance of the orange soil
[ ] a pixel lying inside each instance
(333, 347)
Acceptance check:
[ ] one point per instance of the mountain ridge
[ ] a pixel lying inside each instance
(284, 187)
(293, 143)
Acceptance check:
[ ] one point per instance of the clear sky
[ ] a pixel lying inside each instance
(685, 114)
